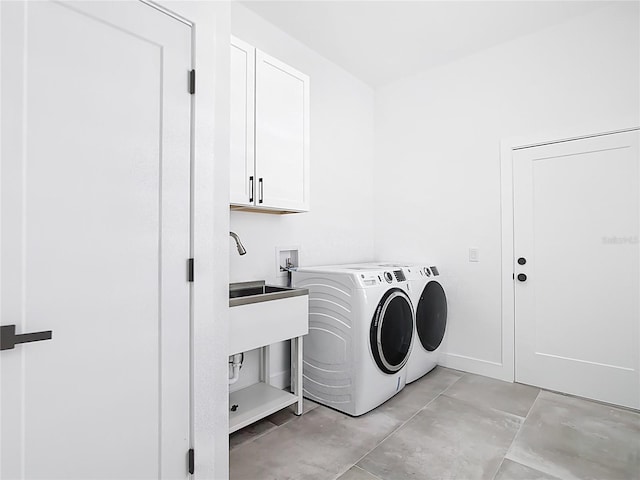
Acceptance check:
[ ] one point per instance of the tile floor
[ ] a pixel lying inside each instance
(447, 425)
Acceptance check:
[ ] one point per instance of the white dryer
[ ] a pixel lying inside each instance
(430, 303)
(361, 326)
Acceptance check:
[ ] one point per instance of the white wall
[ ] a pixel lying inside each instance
(339, 227)
(437, 137)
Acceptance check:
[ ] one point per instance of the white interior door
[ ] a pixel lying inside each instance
(576, 224)
(282, 135)
(95, 238)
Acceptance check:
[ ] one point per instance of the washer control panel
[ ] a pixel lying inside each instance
(379, 277)
(421, 271)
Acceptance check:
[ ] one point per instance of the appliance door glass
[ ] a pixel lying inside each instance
(392, 331)
(431, 316)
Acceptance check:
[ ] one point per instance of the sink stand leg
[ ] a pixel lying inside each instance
(296, 372)
(265, 364)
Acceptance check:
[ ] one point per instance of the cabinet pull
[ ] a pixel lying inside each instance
(251, 189)
(261, 183)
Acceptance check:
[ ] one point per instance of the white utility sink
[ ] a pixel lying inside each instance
(262, 314)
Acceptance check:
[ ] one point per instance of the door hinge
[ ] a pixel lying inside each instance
(192, 461)
(190, 270)
(192, 82)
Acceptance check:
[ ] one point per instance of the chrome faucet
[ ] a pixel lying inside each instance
(241, 249)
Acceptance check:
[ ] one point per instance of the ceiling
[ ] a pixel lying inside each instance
(382, 41)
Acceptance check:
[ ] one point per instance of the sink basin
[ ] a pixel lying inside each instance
(249, 291)
(263, 314)
(254, 292)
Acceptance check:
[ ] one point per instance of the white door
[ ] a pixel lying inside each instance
(576, 221)
(282, 135)
(94, 203)
(242, 103)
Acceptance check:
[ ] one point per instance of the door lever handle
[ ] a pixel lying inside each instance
(9, 339)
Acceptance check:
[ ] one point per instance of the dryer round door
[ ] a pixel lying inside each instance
(392, 330)
(431, 316)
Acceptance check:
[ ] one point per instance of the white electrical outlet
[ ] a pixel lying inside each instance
(474, 254)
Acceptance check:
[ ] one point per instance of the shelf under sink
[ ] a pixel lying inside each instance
(255, 402)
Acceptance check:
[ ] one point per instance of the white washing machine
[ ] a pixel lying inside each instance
(430, 303)
(361, 327)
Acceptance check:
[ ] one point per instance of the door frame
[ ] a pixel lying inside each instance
(210, 235)
(507, 148)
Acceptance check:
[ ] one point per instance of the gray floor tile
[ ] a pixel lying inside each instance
(287, 414)
(356, 473)
(250, 432)
(419, 393)
(516, 471)
(449, 439)
(316, 446)
(508, 397)
(574, 438)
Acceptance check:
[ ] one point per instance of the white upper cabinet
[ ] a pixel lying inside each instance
(242, 98)
(269, 133)
(282, 135)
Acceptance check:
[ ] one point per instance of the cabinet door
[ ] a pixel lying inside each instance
(242, 99)
(282, 135)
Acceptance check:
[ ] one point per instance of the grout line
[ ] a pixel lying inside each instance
(515, 437)
(276, 427)
(273, 428)
(255, 437)
(499, 467)
(534, 402)
(405, 422)
(366, 471)
(538, 467)
(445, 390)
(490, 406)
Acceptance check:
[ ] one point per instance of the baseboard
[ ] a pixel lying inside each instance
(478, 366)
(281, 379)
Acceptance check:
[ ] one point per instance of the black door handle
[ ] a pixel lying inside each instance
(9, 339)
(522, 261)
(522, 277)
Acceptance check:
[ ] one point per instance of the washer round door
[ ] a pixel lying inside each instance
(392, 331)
(431, 316)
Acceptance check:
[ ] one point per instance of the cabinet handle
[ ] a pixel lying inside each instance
(251, 189)
(261, 197)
